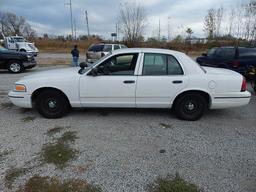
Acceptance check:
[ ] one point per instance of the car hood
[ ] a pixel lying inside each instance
(219, 71)
(13, 52)
(54, 73)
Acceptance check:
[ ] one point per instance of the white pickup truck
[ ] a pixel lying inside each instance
(19, 43)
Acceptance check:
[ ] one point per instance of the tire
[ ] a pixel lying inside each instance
(15, 66)
(52, 104)
(23, 50)
(190, 106)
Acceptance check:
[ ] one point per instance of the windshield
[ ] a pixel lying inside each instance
(96, 62)
(19, 39)
(211, 52)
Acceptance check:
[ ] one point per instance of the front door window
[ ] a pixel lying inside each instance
(119, 65)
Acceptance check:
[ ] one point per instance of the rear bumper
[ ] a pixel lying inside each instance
(229, 100)
(20, 99)
(91, 60)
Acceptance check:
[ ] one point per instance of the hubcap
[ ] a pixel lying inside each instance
(52, 104)
(15, 67)
(190, 106)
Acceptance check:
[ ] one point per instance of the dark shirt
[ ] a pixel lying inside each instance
(75, 52)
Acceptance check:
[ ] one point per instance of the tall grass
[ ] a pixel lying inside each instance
(62, 46)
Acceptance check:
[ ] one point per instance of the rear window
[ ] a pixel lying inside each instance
(96, 48)
(123, 46)
(247, 52)
(107, 48)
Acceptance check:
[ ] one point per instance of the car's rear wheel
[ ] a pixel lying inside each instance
(15, 66)
(52, 104)
(190, 106)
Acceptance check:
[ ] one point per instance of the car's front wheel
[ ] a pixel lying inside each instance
(15, 66)
(190, 106)
(52, 104)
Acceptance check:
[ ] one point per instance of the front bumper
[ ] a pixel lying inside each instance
(29, 64)
(20, 99)
(221, 101)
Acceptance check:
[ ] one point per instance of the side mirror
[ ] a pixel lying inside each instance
(204, 54)
(83, 65)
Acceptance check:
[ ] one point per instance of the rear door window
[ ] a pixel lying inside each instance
(107, 48)
(96, 48)
(161, 64)
(116, 47)
(123, 47)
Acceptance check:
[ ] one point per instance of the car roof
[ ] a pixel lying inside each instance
(146, 50)
(106, 44)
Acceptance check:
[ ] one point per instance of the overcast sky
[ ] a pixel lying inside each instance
(53, 17)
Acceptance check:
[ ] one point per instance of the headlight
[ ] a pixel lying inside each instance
(20, 88)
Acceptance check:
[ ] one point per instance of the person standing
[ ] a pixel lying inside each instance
(75, 56)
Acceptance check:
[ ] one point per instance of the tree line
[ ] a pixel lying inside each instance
(238, 22)
(222, 23)
(11, 24)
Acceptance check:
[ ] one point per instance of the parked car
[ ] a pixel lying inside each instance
(96, 51)
(133, 78)
(16, 62)
(239, 59)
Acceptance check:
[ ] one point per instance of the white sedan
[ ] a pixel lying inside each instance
(133, 78)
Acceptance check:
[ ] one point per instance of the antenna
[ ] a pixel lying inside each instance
(87, 23)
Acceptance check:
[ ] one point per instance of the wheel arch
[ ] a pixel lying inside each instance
(197, 91)
(8, 61)
(36, 93)
(22, 50)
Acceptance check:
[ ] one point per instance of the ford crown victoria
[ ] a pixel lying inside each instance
(133, 78)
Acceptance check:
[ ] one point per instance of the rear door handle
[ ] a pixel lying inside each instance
(177, 82)
(129, 82)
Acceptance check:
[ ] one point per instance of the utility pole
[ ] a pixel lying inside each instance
(75, 27)
(116, 31)
(159, 30)
(87, 23)
(71, 17)
(169, 18)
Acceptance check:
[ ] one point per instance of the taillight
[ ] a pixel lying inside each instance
(236, 63)
(244, 85)
(102, 54)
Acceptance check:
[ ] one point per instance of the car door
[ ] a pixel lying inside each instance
(162, 77)
(113, 85)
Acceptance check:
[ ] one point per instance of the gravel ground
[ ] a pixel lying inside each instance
(57, 58)
(120, 148)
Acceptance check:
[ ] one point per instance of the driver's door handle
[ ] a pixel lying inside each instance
(129, 82)
(177, 82)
